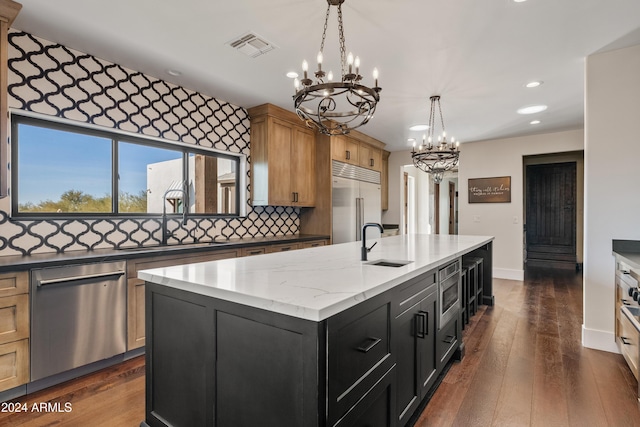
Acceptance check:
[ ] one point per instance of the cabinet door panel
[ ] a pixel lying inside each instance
(427, 344)
(408, 390)
(280, 192)
(303, 160)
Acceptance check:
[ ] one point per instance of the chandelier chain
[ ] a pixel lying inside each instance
(343, 49)
(326, 23)
(441, 119)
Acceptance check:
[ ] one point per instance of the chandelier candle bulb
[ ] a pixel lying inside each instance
(375, 77)
(357, 64)
(319, 58)
(330, 75)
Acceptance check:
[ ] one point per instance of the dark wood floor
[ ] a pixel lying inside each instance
(524, 366)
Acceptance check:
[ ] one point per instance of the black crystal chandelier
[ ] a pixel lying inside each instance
(436, 157)
(335, 108)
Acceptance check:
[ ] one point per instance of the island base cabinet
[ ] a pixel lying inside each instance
(415, 337)
(216, 363)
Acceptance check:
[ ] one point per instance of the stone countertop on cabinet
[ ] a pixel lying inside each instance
(25, 262)
(316, 283)
(628, 251)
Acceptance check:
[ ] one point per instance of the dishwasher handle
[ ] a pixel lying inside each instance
(48, 282)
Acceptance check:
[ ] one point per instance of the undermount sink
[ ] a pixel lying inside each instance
(166, 247)
(388, 263)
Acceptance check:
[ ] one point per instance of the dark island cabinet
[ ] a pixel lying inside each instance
(211, 362)
(415, 339)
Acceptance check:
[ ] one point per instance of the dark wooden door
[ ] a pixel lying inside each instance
(551, 215)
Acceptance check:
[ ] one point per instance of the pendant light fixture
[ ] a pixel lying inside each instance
(436, 157)
(335, 108)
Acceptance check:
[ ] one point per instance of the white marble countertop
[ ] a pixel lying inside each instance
(315, 283)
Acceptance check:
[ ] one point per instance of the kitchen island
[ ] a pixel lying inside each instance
(308, 338)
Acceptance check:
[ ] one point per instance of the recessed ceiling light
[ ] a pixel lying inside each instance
(411, 140)
(519, 1)
(174, 73)
(534, 122)
(292, 74)
(532, 109)
(419, 127)
(535, 83)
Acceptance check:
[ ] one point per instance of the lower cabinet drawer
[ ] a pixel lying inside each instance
(447, 340)
(313, 244)
(359, 352)
(377, 407)
(14, 318)
(628, 343)
(14, 364)
(256, 250)
(282, 248)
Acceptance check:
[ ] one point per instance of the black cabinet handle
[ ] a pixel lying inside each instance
(624, 340)
(370, 162)
(419, 324)
(288, 248)
(425, 315)
(368, 344)
(449, 339)
(348, 155)
(255, 252)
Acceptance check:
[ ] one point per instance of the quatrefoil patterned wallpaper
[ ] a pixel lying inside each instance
(51, 79)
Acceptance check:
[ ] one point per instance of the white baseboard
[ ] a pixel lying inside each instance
(599, 340)
(505, 273)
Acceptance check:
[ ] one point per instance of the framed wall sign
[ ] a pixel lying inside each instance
(490, 190)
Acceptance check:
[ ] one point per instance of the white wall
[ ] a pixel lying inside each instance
(400, 162)
(612, 181)
(504, 157)
(444, 200)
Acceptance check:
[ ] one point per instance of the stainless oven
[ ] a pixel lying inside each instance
(449, 290)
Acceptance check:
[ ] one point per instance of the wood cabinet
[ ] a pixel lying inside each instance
(14, 364)
(282, 248)
(254, 250)
(14, 329)
(313, 244)
(283, 153)
(629, 341)
(345, 149)
(370, 157)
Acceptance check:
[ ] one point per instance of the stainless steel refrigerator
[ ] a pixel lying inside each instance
(356, 200)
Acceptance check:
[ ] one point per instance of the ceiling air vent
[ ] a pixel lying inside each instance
(251, 45)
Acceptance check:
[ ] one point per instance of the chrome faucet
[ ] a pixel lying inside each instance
(365, 249)
(165, 232)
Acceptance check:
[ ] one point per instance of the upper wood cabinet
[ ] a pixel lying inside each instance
(370, 157)
(283, 153)
(345, 149)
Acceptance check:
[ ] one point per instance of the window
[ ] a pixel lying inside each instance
(65, 170)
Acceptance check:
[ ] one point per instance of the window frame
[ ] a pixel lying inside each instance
(116, 136)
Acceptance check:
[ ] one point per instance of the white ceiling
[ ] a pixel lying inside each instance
(476, 54)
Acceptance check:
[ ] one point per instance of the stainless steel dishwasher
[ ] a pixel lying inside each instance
(78, 316)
